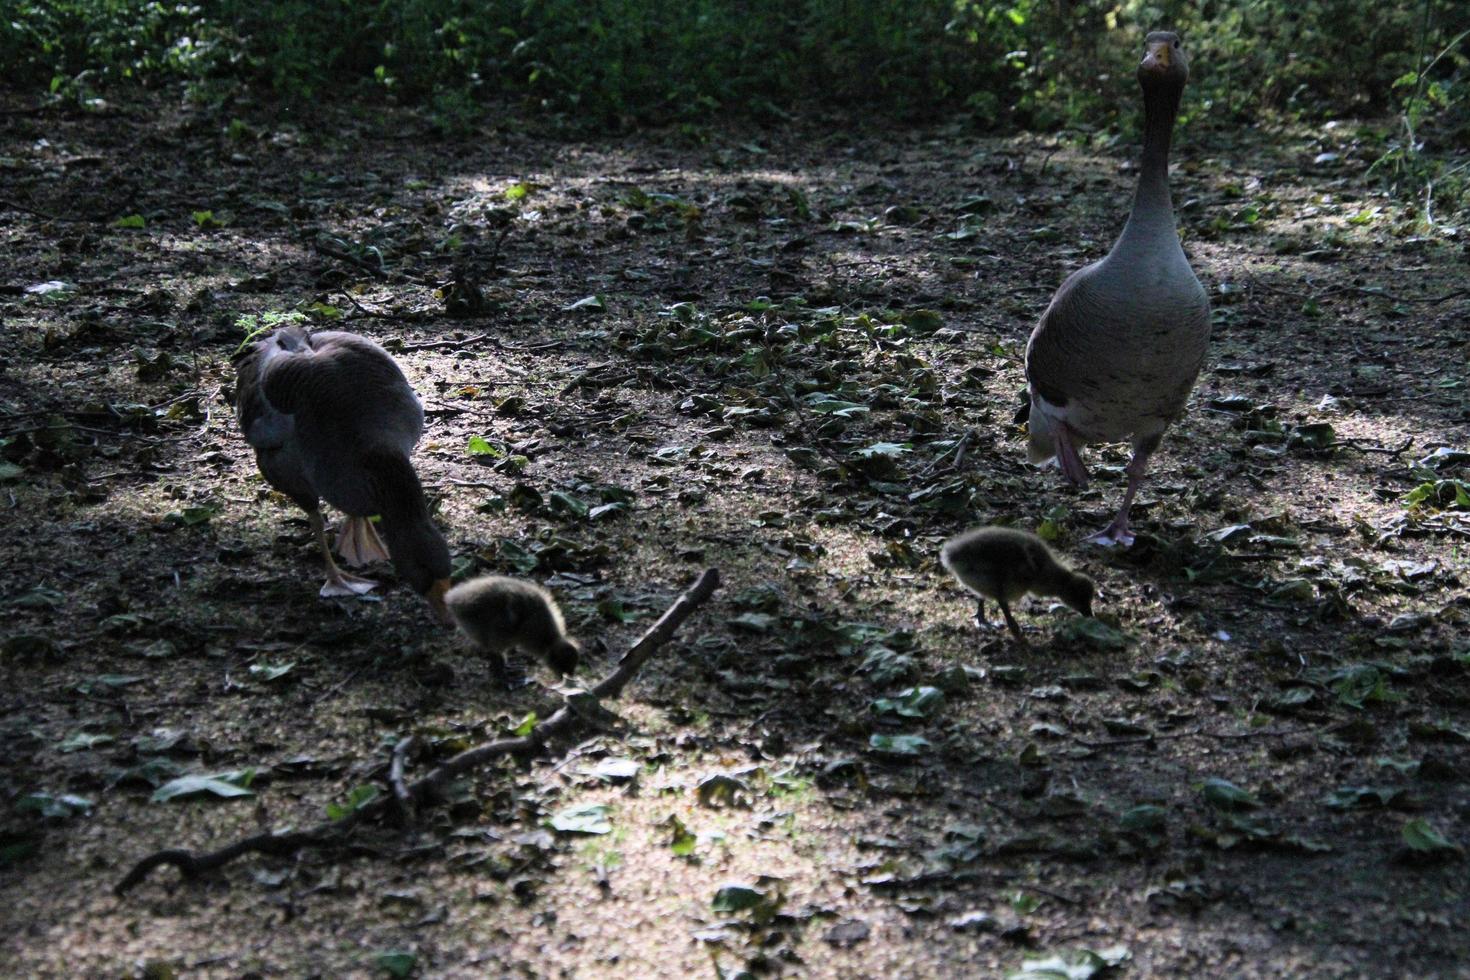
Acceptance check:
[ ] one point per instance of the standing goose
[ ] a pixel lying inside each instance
(330, 415)
(1118, 350)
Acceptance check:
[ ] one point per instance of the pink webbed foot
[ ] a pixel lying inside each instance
(1115, 535)
(345, 584)
(1119, 534)
(358, 542)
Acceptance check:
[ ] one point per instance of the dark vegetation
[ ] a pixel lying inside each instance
(1027, 62)
(1049, 64)
(741, 285)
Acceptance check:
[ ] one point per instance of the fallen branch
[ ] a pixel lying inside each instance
(428, 788)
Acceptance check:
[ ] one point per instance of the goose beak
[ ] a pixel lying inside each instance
(1157, 59)
(435, 597)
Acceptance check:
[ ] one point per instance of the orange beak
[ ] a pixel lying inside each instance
(1157, 58)
(435, 597)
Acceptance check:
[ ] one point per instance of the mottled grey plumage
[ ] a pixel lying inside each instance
(501, 614)
(1003, 564)
(1117, 352)
(331, 416)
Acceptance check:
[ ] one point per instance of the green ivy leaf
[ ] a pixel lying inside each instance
(480, 446)
(587, 818)
(397, 963)
(360, 797)
(730, 899)
(682, 840)
(1421, 837)
(899, 745)
(1225, 795)
(227, 785)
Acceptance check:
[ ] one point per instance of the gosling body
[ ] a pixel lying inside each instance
(501, 614)
(1004, 565)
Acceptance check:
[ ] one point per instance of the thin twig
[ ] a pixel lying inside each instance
(959, 454)
(494, 260)
(446, 344)
(17, 206)
(1385, 294)
(333, 252)
(1064, 899)
(472, 484)
(1359, 445)
(1194, 733)
(374, 314)
(590, 379)
(428, 788)
(336, 687)
(1377, 291)
(402, 802)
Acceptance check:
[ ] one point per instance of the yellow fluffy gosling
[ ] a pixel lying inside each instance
(499, 614)
(1003, 564)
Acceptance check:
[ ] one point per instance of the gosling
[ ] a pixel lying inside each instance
(1003, 565)
(500, 614)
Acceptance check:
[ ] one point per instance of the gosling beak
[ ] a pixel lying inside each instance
(1158, 58)
(435, 597)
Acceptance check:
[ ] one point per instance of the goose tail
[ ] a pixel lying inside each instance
(1041, 443)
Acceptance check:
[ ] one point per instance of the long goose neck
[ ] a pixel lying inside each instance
(396, 488)
(420, 554)
(1151, 223)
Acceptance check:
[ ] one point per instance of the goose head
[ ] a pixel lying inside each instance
(421, 559)
(1164, 61)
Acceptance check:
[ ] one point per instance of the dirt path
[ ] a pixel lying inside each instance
(801, 365)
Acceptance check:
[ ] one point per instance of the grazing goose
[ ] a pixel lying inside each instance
(331, 417)
(1118, 350)
(1003, 564)
(501, 614)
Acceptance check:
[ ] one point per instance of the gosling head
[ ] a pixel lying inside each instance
(1076, 590)
(563, 655)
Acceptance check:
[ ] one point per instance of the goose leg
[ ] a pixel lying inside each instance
(339, 583)
(1067, 457)
(1118, 532)
(980, 621)
(358, 542)
(510, 674)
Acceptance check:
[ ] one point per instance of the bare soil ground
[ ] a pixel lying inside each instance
(801, 366)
